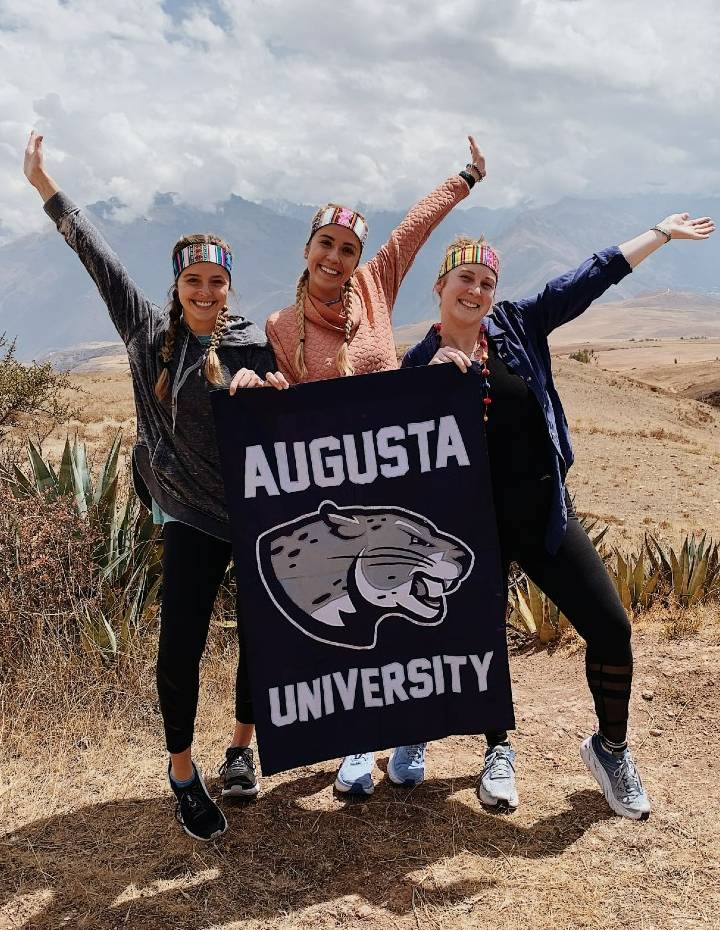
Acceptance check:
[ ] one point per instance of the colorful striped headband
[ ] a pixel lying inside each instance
(340, 216)
(201, 252)
(470, 255)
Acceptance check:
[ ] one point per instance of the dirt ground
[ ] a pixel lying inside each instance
(88, 839)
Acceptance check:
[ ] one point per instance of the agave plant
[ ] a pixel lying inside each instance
(636, 578)
(691, 575)
(128, 555)
(531, 610)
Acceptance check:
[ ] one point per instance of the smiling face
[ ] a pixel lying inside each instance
(466, 295)
(203, 290)
(332, 255)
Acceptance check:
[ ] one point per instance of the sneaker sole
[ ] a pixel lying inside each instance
(600, 776)
(402, 782)
(352, 789)
(237, 791)
(205, 839)
(499, 805)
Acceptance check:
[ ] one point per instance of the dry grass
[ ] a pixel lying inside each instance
(106, 405)
(89, 840)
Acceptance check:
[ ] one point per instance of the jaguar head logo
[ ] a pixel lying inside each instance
(338, 572)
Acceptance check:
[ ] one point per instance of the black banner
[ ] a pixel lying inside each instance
(367, 562)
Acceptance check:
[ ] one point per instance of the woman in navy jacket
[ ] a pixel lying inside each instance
(530, 453)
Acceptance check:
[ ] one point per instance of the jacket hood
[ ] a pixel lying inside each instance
(239, 332)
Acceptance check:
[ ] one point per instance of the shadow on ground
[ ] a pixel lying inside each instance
(126, 864)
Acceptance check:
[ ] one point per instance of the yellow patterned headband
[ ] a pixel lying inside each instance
(470, 255)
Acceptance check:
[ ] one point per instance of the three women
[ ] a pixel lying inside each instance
(340, 324)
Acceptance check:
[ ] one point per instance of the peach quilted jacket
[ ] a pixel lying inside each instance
(372, 347)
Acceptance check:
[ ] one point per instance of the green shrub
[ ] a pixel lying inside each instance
(583, 355)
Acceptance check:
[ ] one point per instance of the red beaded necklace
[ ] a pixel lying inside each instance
(480, 354)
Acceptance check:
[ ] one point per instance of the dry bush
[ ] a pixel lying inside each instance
(53, 664)
(49, 590)
(46, 574)
(34, 398)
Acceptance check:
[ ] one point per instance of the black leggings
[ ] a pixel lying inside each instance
(577, 581)
(193, 568)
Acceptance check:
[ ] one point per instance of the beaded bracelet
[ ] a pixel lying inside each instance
(665, 233)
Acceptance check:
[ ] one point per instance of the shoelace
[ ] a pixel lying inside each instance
(240, 757)
(358, 757)
(415, 752)
(499, 765)
(628, 777)
(193, 802)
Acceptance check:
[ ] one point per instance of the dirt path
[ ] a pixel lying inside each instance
(89, 842)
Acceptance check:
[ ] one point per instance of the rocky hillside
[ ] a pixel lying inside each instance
(49, 302)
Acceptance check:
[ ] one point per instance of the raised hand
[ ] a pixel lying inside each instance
(34, 167)
(34, 163)
(680, 226)
(477, 159)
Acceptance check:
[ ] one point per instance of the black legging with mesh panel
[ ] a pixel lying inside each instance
(575, 579)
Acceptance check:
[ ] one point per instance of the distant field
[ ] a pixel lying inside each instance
(646, 457)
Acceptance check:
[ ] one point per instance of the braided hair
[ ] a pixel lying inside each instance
(344, 365)
(211, 367)
(162, 385)
(300, 294)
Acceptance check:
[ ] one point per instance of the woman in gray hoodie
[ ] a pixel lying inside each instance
(176, 356)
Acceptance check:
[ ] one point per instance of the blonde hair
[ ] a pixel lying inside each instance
(211, 368)
(342, 360)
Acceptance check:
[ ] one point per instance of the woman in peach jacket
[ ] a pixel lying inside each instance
(340, 324)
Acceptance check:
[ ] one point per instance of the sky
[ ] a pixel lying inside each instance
(358, 101)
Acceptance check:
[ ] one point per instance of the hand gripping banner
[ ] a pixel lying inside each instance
(367, 563)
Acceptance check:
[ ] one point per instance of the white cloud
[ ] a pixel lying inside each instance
(365, 101)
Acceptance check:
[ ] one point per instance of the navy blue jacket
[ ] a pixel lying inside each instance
(520, 330)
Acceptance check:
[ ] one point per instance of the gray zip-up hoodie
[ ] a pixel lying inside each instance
(175, 459)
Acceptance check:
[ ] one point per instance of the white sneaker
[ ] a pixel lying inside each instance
(355, 774)
(618, 777)
(496, 786)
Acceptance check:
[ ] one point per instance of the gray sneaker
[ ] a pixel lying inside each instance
(496, 787)
(355, 774)
(618, 778)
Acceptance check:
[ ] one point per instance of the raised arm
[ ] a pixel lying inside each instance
(567, 296)
(128, 307)
(675, 226)
(393, 261)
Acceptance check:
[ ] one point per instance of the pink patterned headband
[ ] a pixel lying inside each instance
(470, 255)
(340, 216)
(201, 252)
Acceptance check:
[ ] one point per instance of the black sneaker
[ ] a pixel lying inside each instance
(238, 773)
(196, 812)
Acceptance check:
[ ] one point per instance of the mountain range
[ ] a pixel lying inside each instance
(49, 302)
